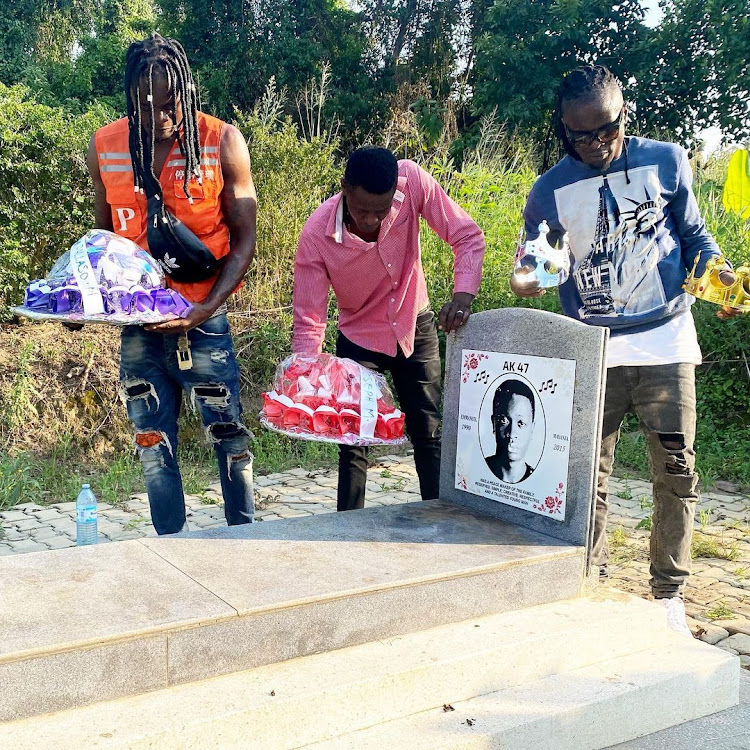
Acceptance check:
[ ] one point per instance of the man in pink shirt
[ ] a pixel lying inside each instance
(364, 242)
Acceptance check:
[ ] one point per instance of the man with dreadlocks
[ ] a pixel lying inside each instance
(634, 229)
(204, 181)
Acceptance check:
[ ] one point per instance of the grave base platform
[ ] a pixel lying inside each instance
(91, 624)
(584, 673)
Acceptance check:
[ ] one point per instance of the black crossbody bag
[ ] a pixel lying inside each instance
(182, 256)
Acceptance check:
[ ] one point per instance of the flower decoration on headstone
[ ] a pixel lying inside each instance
(472, 361)
(552, 504)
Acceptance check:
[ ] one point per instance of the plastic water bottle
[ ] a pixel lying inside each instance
(86, 516)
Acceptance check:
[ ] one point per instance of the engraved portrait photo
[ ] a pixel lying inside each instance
(512, 410)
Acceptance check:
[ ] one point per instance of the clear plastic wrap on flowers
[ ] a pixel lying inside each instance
(327, 398)
(103, 278)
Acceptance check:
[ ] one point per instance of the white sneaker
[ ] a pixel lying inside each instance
(676, 615)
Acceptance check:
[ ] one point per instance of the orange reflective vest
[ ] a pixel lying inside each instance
(203, 216)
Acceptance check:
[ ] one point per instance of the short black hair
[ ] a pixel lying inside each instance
(372, 168)
(509, 388)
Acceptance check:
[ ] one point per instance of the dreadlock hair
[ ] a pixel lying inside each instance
(144, 60)
(583, 82)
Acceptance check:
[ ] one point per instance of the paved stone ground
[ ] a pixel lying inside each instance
(717, 599)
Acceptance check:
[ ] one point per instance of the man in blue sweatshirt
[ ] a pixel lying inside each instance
(634, 230)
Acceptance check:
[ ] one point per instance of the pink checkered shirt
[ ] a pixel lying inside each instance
(379, 286)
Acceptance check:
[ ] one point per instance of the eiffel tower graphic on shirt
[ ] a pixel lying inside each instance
(593, 276)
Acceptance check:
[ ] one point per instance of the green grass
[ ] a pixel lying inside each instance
(196, 458)
(33, 479)
(120, 479)
(621, 551)
(275, 452)
(719, 611)
(711, 547)
(18, 483)
(632, 453)
(17, 407)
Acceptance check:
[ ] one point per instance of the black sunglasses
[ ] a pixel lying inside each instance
(604, 134)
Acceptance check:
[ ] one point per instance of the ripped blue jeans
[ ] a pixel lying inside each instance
(151, 386)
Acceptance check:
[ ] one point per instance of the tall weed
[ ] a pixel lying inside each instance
(491, 187)
(293, 176)
(17, 409)
(18, 481)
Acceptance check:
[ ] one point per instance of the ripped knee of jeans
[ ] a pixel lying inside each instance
(152, 447)
(214, 395)
(220, 432)
(679, 456)
(150, 440)
(135, 389)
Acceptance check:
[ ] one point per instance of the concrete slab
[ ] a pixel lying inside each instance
(320, 697)
(72, 598)
(334, 623)
(90, 623)
(726, 730)
(67, 679)
(227, 599)
(585, 709)
(311, 559)
(334, 581)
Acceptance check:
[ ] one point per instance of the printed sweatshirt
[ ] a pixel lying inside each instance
(634, 234)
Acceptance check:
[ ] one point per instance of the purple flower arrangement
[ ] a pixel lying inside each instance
(104, 278)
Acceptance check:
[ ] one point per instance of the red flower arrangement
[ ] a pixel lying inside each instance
(322, 397)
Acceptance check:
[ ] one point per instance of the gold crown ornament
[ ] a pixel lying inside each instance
(711, 288)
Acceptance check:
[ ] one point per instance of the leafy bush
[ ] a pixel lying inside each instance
(293, 176)
(46, 201)
(492, 188)
(723, 381)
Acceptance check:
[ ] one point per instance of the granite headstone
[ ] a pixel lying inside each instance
(522, 415)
